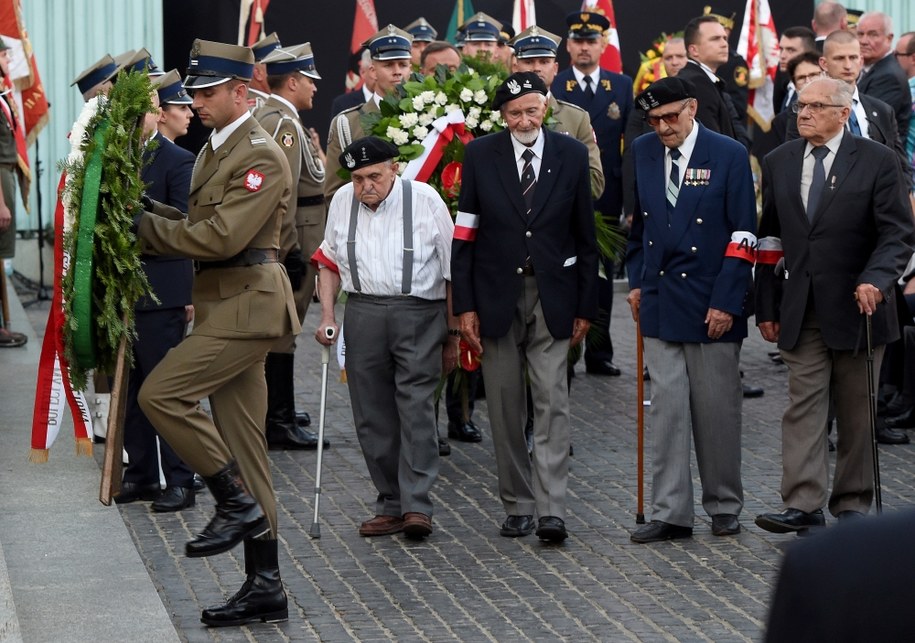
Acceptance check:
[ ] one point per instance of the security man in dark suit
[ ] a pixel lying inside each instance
(243, 303)
(291, 74)
(882, 76)
(607, 97)
(160, 327)
(734, 73)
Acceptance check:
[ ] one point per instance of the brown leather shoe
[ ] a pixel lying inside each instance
(416, 525)
(381, 526)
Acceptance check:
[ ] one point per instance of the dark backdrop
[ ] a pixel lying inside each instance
(327, 24)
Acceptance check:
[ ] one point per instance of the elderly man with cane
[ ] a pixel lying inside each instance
(388, 244)
(836, 232)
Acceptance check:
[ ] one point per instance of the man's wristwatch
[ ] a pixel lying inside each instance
(454, 332)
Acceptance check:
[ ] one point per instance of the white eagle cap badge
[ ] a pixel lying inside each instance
(513, 87)
(350, 161)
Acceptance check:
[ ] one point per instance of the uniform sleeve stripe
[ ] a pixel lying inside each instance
(320, 259)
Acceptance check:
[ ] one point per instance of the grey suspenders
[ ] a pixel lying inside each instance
(407, 283)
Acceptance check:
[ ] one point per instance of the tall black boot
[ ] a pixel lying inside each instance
(261, 597)
(238, 515)
(283, 432)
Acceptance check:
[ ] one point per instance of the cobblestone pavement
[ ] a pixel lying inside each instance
(466, 582)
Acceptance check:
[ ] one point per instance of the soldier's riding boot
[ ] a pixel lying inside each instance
(238, 515)
(261, 597)
(283, 432)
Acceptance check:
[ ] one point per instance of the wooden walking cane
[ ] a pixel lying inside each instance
(113, 461)
(640, 415)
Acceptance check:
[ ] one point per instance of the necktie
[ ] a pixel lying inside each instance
(819, 180)
(790, 99)
(853, 125)
(589, 91)
(528, 179)
(673, 181)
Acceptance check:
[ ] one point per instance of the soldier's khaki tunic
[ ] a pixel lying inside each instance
(352, 128)
(238, 198)
(574, 121)
(307, 212)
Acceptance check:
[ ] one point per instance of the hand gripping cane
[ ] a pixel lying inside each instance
(325, 358)
(872, 415)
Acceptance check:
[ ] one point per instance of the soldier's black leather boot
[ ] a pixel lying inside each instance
(238, 515)
(261, 597)
(283, 431)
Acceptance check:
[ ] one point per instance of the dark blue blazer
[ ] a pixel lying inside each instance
(681, 268)
(558, 235)
(609, 111)
(167, 174)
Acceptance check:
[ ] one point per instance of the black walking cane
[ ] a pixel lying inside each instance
(325, 358)
(872, 415)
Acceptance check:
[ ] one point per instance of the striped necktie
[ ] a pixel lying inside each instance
(528, 180)
(673, 181)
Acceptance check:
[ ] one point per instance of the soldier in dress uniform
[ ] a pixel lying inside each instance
(291, 74)
(607, 97)
(481, 37)
(243, 303)
(174, 106)
(258, 88)
(96, 79)
(423, 33)
(391, 51)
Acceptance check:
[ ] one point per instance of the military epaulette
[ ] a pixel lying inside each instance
(566, 103)
(260, 140)
(351, 109)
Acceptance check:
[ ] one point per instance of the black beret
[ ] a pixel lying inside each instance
(367, 151)
(517, 85)
(666, 90)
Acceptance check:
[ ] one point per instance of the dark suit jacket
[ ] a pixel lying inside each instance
(887, 81)
(735, 76)
(861, 233)
(881, 128)
(558, 235)
(167, 174)
(850, 584)
(609, 111)
(713, 110)
(682, 268)
(346, 101)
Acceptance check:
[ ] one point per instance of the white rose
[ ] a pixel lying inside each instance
(475, 113)
(471, 122)
(408, 120)
(428, 97)
(418, 103)
(480, 97)
(495, 116)
(440, 98)
(400, 137)
(420, 133)
(426, 119)
(466, 95)
(451, 107)
(486, 125)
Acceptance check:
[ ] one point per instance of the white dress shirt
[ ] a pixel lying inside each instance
(580, 77)
(536, 148)
(686, 151)
(809, 160)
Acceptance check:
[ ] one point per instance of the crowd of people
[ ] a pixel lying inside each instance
(237, 244)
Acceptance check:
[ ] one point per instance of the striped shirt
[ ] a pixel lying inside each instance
(379, 243)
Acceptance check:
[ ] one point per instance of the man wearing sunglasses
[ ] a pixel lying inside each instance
(690, 255)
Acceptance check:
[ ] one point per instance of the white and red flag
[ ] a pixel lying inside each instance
(249, 32)
(610, 59)
(758, 45)
(524, 15)
(365, 25)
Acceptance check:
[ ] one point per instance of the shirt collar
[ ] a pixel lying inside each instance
(218, 137)
(580, 75)
(708, 71)
(689, 143)
(285, 102)
(833, 143)
(536, 148)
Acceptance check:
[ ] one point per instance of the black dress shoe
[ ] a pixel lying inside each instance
(886, 435)
(292, 437)
(173, 499)
(515, 526)
(725, 525)
(602, 367)
(791, 520)
(133, 491)
(302, 419)
(464, 432)
(551, 529)
(198, 485)
(657, 531)
(443, 447)
(849, 515)
(752, 391)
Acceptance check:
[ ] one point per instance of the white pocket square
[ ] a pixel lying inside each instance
(570, 262)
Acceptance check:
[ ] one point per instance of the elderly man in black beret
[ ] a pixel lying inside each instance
(388, 244)
(524, 264)
(691, 251)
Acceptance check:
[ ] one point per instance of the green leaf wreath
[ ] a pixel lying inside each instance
(104, 278)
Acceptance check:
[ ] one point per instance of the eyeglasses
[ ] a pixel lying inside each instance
(798, 80)
(815, 108)
(670, 117)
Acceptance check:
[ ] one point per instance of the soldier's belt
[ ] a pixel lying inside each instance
(247, 257)
(305, 201)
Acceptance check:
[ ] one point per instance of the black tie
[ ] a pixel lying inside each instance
(589, 91)
(819, 180)
(528, 179)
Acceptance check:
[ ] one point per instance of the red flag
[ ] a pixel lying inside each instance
(524, 15)
(256, 28)
(758, 45)
(365, 25)
(610, 59)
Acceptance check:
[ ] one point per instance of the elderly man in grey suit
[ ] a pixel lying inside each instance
(836, 233)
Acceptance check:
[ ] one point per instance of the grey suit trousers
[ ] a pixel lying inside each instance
(814, 373)
(536, 483)
(393, 365)
(694, 386)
